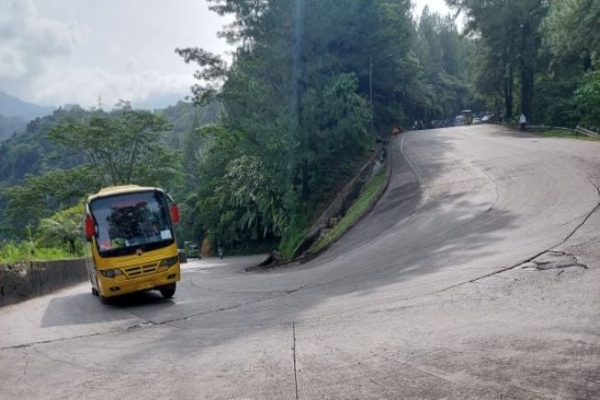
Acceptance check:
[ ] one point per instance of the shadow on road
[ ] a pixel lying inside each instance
(83, 308)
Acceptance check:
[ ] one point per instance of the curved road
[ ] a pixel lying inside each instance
(475, 276)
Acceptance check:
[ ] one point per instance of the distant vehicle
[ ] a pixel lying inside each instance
(468, 116)
(192, 249)
(486, 119)
(459, 120)
(131, 233)
(477, 120)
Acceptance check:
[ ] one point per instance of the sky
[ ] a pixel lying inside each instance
(57, 52)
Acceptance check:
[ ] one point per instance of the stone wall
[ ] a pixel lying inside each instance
(23, 281)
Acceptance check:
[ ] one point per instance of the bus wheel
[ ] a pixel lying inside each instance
(104, 300)
(94, 291)
(168, 291)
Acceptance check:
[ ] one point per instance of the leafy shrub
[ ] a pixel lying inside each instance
(11, 252)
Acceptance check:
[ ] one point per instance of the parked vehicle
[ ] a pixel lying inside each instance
(192, 249)
(468, 117)
(459, 120)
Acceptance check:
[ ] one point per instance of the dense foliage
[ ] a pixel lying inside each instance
(306, 79)
(9, 126)
(545, 51)
(447, 61)
(60, 159)
(311, 86)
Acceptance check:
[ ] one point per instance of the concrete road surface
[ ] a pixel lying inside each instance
(476, 276)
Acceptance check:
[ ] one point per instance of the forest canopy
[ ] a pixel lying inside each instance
(312, 85)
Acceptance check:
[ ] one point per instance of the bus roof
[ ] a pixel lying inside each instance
(114, 190)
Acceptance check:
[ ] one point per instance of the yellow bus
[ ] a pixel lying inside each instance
(131, 234)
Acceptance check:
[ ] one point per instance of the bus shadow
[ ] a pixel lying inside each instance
(84, 309)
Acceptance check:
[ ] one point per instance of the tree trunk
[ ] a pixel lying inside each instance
(508, 92)
(526, 91)
(587, 62)
(527, 71)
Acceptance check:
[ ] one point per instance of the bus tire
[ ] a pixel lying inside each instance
(168, 291)
(94, 292)
(104, 300)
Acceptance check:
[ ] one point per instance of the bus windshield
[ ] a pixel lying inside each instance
(131, 222)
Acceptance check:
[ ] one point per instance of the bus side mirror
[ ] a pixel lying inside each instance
(174, 213)
(90, 227)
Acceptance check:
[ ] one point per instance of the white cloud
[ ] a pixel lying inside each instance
(28, 40)
(11, 63)
(84, 85)
(69, 55)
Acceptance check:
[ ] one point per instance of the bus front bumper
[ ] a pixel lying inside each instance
(109, 287)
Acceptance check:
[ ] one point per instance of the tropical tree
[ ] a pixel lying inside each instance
(571, 31)
(64, 227)
(445, 58)
(116, 144)
(40, 196)
(511, 31)
(588, 100)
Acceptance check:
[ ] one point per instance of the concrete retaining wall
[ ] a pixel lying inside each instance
(23, 281)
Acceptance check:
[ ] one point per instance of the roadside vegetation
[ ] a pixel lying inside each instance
(537, 57)
(11, 253)
(360, 207)
(272, 133)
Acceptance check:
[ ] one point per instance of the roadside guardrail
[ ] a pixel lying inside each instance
(578, 130)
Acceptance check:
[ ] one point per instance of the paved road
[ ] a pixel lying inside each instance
(477, 275)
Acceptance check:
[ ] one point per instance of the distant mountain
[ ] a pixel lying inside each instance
(160, 101)
(31, 152)
(10, 125)
(11, 106)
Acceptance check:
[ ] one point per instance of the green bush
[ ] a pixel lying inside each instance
(588, 100)
(358, 209)
(294, 234)
(11, 252)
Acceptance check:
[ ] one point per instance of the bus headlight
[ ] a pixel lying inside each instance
(167, 263)
(111, 273)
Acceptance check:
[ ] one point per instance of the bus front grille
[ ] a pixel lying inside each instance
(141, 270)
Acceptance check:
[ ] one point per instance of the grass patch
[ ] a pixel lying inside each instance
(371, 189)
(555, 133)
(294, 235)
(11, 253)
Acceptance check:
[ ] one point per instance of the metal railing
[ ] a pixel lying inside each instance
(577, 131)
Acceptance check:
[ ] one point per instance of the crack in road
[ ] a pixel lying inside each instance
(554, 259)
(30, 344)
(549, 250)
(25, 370)
(147, 323)
(294, 354)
